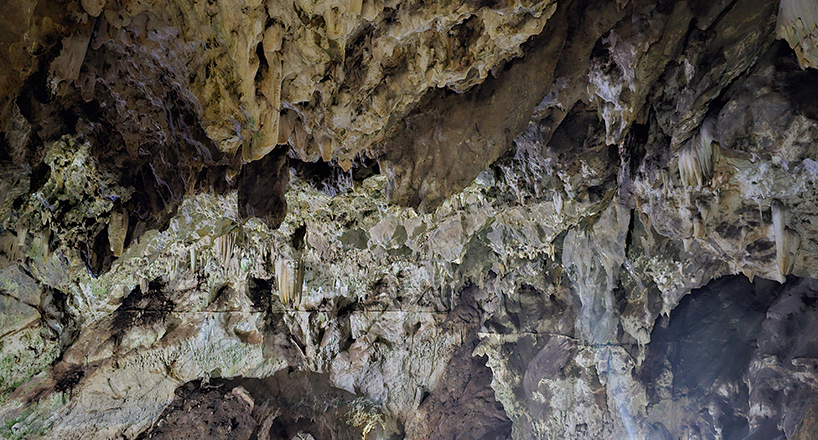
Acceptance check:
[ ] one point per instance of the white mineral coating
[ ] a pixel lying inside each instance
(149, 362)
(394, 251)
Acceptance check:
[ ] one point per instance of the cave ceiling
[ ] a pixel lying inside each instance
(490, 219)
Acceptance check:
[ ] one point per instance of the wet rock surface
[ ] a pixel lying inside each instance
(337, 220)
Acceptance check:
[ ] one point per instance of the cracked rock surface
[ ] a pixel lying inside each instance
(247, 219)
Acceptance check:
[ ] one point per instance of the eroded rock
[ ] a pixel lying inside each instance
(524, 219)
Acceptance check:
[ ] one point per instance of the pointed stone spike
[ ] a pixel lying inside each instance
(117, 232)
(787, 241)
(283, 281)
(749, 273)
(21, 237)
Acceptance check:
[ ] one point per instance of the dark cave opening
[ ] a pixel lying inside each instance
(290, 404)
(732, 349)
(329, 177)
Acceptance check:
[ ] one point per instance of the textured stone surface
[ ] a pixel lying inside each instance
(196, 413)
(360, 219)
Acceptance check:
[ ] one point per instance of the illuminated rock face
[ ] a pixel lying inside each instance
(490, 219)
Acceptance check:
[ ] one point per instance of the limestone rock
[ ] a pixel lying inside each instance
(354, 219)
(798, 25)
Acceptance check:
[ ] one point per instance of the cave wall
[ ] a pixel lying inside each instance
(495, 219)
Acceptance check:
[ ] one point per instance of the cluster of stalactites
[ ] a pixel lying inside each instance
(289, 274)
(289, 284)
(798, 25)
(696, 159)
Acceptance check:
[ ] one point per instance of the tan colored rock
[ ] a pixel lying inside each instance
(93, 7)
(798, 25)
(117, 232)
(348, 44)
(808, 427)
(581, 169)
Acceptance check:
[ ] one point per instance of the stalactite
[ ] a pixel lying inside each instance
(143, 285)
(117, 231)
(700, 219)
(22, 233)
(698, 226)
(749, 273)
(697, 158)
(787, 241)
(283, 282)
(299, 280)
(798, 25)
(289, 279)
(226, 249)
(696, 163)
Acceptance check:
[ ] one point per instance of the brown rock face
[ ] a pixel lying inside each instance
(261, 188)
(347, 219)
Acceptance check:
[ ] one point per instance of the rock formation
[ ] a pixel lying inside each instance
(356, 219)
